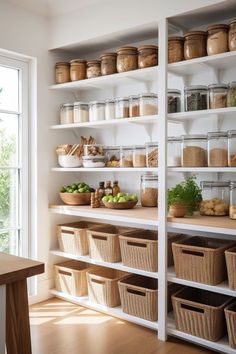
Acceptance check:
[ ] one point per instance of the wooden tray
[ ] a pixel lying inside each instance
(76, 198)
(126, 205)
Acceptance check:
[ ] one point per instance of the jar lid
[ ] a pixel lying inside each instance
(148, 46)
(195, 87)
(148, 177)
(134, 97)
(67, 105)
(96, 102)
(108, 55)
(174, 92)
(126, 147)
(148, 95)
(176, 38)
(93, 62)
(216, 86)
(210, 184)
(110, 100)
(174, 138)
(193, 33)
(93, 158)
(211, 135)
(194, 137)
(126, 48)
(231, 133)
(81, 103)
(232, 22)
(233, 184)
(74, 61)
(152, 144)
(139, 147)
(216, 26)
(111, 147)
(118, 99)
(61, 63)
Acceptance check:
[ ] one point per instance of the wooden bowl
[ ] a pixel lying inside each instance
(76, 198)
(126, 205)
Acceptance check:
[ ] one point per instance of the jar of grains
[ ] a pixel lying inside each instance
(96, 111)
(147, 56)
(122, 107)
(148, 104)
(149, 190)
(232, 148)
(139, 156)
(194, 150)
(232, 35)
(218, 95)
(81, 112)
(152, 154)
(93, 68)
(173, 98)
(77, 69)
(175, 49)
(127, 59)
(66, 113)
(231, 96)
(62, 71)
(126, 156)
(108, 63)
(110, 109)
(195, 45)
(217, 149)
(232, 208)
(215, 195)
(133, 106)
(174, 151)
(195, 97)
(217, 39)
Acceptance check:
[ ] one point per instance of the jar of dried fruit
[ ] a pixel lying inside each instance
(127, 59)
(175, 49)
(108, 63)
(232, 35)
(149, 190)
(147, 56)
(195, 45)
(217, 39)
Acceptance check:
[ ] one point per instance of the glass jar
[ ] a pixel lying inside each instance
(108, 63)
(195, 45)
(133, 106)
(195, 98)
(149, 190)
(126, 156)
(193, 150)
(148, 104)
(218, 96)
(62, 71)
(232, 35)
(217, 149)
(175, 49)
(232, 208)
(217, 39)
(173, 97)
(96, 111)
(152, 154)
(81, 112)
(77, 69)
(232, 148)
(122, 107)
(112, 156)
(93, 68)
(174, 152)
(127, 59)
(147, 56)
(231, 96)
(139, 156)
(110, 109)
(66, 113)
(95, 150)
(215, 198)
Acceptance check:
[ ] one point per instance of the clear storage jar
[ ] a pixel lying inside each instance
(93, 69)
(95, 150)
(215, 198)
(193, 150)
(195, 98)
(122, 107)
(62, 71)
(175, 49)
(231, 96)
(232, 148)
(77, 69)
(139, 156)
(110, 109)
(127, 59)
(133, 106)
(66, 113)
(112, 154)
(126, 156)
(217, 39)
(173, 98)
(195, 44)
(147, 56)
(232, 35)
(218, 96)
(96, 111)
(149, 190)
(148, 104)
(174, 152)
(152, 154)
(232, 208)
(217, 149)
(81, 112)
(108, 63)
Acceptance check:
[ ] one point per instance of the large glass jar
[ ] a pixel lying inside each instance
(126, 156)
(232, 208)
(218, 96)
(96, 111)
(62, 71)
(232, 35)
(195, 45)
(112, 154)
(127, 59)
(231, 96)
(217, 149)
(93, 68)
(133, 106)
(108, 63)
(152, 154)
(122, 107)
(95, 150)
(139, 156)
(173, 97)
(147, 56)
(77, 69)
(148, 104)
(232, 148)
(195, 98)
(215, 198)
(217, 39)
(81, 112)
(174, 152)
(66, 113)
(149, 190)
(175, 49)
(194, 151)
(110, 109)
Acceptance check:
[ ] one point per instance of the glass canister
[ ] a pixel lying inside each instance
(232, 208)
(232, 148)
(195, 44)
(218, 95)
(175, 49)
(232, 35)
(148, 104)
(62, 71)
(217, 149)
(126, 156)
(215, 198)
(94, 150)
(217, 39)
(110, 109)
(122, 107)
(173, 98)
(149, 190)
(66, 113)
(127, 59)
(112, 154)
(81, 112)
(147, 56)
(194, 150)
(231, 96)
(108, 63)
(174, 152)
(152, 154)
(195, 98)
(139, 156)
(77, 69)
(96, 111)
(93, 69)
(133, 106)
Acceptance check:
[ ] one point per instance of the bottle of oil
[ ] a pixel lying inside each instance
(115, 189)
(108, 188)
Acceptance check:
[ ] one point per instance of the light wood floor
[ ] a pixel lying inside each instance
(59, 327)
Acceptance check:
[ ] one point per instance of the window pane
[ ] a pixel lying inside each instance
(9, 242)
(9, 89)
(8, 140)
(8, 198)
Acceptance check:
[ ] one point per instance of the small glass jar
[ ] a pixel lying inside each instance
(112, 154)
(232, 148)
(95, 150)
(110, 109)
(126, 156)
(62, 71)
(195, 45)
(122, 107)
(173, 97)
(215, 198)
(231, 96)
(232, 35)
(193, 150)
(148, 104)
(174, 152)
(152, 154)
(66, 113)
(232, 208)
(133, 106)
(139, 156)
(217, 39)
(81, 112)
(96, 111)
(147, 56)
(195, 98)
(93, 68)
(218, 96)
(77, 69)
(217, 149)
(149, 190)
(175, 49)
(108, 63)
(127, 59)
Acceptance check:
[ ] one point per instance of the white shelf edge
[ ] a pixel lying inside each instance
(201, 228)
(105, 169)
(202, 169)
(183, 116)
(112, 311)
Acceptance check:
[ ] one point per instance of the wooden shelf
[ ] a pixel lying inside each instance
(203, 169)
(182, 117)
(107, 169)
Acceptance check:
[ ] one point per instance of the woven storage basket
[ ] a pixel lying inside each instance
(230, 256)
(230, 315)
(200, 313)
(172, 289)
(201, 259)
(103, 286)
(73, 238)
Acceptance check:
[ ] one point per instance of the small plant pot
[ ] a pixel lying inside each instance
(178, 210)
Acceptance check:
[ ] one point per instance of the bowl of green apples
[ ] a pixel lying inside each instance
(120, 201)
(76, 194)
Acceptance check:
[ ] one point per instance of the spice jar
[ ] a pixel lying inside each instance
(232, 35)
(195, 45)
(81, 112)
(93, 68)
(133, 106)
(217, 39)
(218, 96)
(232, 148)
(175, 49)
(96, 111)
(217, 149)
(215, 198)
(231, 96)
(77, 69)
(174, 152)
(110, 109)
(62, 71)
(66, 113)
(108, 63)
(148, 104)
(194, 151)
(232, 208)
(149, 190)
(112, 156)
(127, 59)
(126, 156)
(195, 98)
(173, 98)
(147, 56)
(152, 154)
(139, 156)
(122, 107)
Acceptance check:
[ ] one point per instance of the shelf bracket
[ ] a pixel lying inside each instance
(220, 121)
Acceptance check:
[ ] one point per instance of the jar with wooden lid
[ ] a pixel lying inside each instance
(232, 35)
(149, 190)
(195, 43)
(232, 208)
(215, 198)
(195, 98)
(217, 39)
(232, 148)
(175, 49)
(218, 95)
(77, 69)
(62, 71)
(194, 150)
(147, 56)
(231, 96)
(108, 63)
(217, 147)
(127, 59)
(93, 68)
(133, 106)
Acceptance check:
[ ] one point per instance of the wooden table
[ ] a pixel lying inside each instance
(14, 310)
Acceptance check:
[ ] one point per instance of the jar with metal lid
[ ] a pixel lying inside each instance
(149, 190)
(217, 39)
(110, 109)
(108, 63)
(93, 68)
(174, 152)
(193, 150)
(66, 113)
(62, 71)
(217, 149)
(195, 98)
(96, 111)
(122, 107)
(232, 35)
(139, 156)
(112, 154)
(231, 96)
(173, 98)
(94, 150)
(152, 154)
(81, 112)
(147, 56)
(77, 69)
(232, 148)
(126, 156)
(218, 95)
(133, 106)
(195, 44)
(232, 208)
(127, 59)
(148, 104)
(215, 198)
(175, 49)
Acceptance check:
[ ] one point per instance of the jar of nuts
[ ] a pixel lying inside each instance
(127, 59)
(152, 154)
(232, 209)
(93, 68)
(215, 197)
(147, 56)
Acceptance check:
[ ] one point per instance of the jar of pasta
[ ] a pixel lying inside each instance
(232, 35)
(195, 45)
(175, 49)
(218, 95)
(77, 69)
(147, 56)
(108, 63)
(62, 71)
(217, 39)
(127, 59)
(148, 104)
(232, 148)
(215, 198)
(93, 68)
(217, 149)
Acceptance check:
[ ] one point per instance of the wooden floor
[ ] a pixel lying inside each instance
(59, 327)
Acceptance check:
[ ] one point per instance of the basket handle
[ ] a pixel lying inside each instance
(194, 253)
(192, 308)
(63, 272)
(102, 282)
(103, 238)
(136, 244)
(135, 292)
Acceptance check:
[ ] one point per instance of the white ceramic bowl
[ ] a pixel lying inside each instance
(69, 161)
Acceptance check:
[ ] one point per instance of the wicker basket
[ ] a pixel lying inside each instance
(230, 315)
(200, 313)
(103, 286)
(201, 259)
(230, 256)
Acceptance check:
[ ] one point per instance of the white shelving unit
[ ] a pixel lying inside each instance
(106, 169)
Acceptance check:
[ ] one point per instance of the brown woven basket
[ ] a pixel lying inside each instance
(230, 315)
(200, 313)
(230, 256)
(201, 259)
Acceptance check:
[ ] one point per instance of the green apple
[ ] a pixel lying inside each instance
(122, 200)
